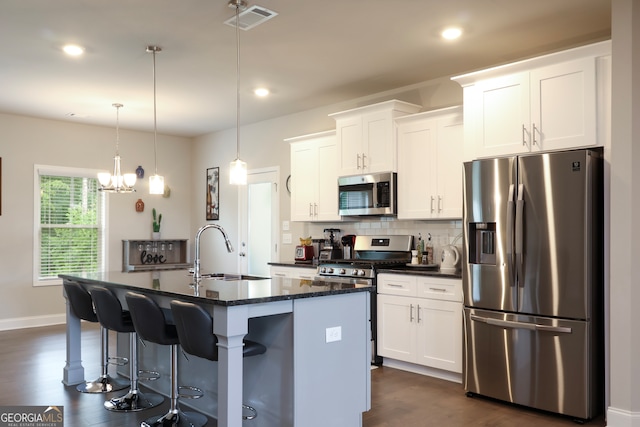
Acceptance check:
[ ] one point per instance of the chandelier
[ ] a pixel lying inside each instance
(117, 182)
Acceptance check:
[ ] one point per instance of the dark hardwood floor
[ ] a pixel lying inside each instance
(31, 362)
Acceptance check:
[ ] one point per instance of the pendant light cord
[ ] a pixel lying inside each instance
(238, 79)
(155, 127)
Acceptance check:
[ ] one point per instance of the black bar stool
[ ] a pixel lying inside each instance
(82, 306)
(195, 330)
(113, 317)
(152, 326)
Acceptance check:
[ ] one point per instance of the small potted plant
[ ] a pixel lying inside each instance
(157, 219)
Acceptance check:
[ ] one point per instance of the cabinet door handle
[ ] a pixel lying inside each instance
(524, 138)
(358, 161)
(431, 205)
(439, 203)
(311, 210)
(418, 313)
(364, 164)
(534, 134)
(394, 285)
(410, 312)
(437, 289)
(279, 274)
(315, 209)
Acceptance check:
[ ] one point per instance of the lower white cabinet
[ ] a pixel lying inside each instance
(420, 320)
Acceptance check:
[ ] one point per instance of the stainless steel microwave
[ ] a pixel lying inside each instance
(371, 194)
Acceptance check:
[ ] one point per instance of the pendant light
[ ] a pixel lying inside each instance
(117, 182)
(238, 168)
(156, 182)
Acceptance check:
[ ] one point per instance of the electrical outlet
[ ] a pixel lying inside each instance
(333, 334)
(286, 238)
(285, 225)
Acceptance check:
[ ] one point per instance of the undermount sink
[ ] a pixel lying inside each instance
(230, 277)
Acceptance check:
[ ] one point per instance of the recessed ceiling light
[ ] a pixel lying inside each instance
(73, 50)
(261, 91)
(451, 33)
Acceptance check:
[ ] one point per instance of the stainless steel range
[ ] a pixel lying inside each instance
(371, 253)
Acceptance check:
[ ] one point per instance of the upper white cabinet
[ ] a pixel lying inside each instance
(314, 177)
(542, 104)
(367, 138)
(430, 164)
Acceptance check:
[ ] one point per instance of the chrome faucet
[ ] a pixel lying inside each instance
(196, 261)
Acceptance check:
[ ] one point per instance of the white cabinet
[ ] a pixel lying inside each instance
(430, 164)
(314, 177)
(420, 320)
(542, 104)
(293, 272)
(366, 137)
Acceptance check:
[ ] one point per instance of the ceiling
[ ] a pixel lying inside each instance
(314, 53)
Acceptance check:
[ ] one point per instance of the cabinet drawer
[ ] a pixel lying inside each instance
(293, 272)
(397, 284)
(438, 288)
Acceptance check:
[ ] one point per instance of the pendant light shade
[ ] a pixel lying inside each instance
(156, 182)
(117, 182)
(238, 168)
(238, 172)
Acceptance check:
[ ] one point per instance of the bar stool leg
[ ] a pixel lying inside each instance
(134, 400)
(105, 383)
(175, 417)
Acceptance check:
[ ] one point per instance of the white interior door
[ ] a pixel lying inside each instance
(259, 217)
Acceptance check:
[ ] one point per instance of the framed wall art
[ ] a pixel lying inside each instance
(213, 194)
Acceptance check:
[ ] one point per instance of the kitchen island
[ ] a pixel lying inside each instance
(316, 369)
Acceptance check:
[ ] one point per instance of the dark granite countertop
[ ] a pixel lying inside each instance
(301, 264)
(216, 291)
(417, 271)
(420, 271)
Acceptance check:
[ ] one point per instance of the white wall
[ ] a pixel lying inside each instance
(624, 295)
(28, 141)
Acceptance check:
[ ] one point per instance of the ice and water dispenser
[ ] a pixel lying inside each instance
(482, 243)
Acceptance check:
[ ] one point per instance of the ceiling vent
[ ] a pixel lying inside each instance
(252, 17)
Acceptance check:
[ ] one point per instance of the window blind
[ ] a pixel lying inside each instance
(71, 226)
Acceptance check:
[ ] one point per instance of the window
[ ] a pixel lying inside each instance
(69, 223)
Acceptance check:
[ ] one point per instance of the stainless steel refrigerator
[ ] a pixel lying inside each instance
(533, 281)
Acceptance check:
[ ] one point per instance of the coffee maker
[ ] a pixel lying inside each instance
(331, 246)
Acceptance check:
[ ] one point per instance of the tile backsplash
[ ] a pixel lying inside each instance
(442, 232)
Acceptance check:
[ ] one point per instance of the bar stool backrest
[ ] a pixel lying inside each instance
(80, 300)
(110, 312)
(149, 320)
(195, 329)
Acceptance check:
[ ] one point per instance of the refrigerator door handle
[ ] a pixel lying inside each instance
(510, 228)
(520, 232)
(521, 325)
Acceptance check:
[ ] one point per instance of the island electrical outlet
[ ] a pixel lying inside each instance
(333, 334)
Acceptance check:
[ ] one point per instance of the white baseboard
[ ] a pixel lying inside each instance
(32, 322)
(622, 418)
(422, 370)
